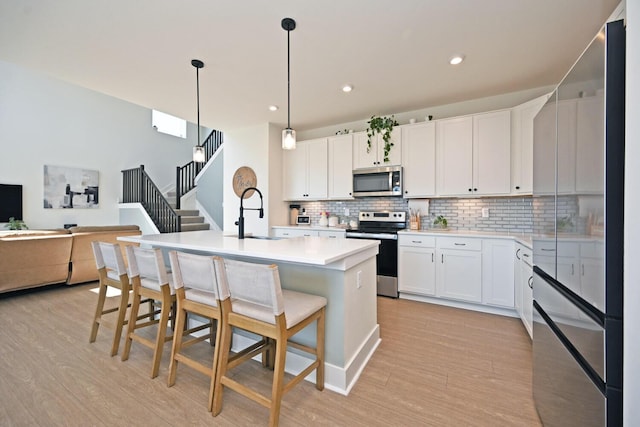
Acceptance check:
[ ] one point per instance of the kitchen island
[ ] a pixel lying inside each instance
(341, 270)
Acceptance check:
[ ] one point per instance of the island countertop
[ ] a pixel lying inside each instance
(316, 251)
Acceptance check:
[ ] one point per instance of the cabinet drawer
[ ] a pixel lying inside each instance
(333, 234)
(417, 241)
(461, 243)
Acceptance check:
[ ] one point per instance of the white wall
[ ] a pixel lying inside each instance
(632, 225)
(44, 121)
(254, 147)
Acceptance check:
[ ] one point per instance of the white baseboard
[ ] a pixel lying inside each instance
(501, 311)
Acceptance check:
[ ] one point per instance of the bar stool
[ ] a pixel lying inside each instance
(260, 305)
(150, 280)
(195, 279)
(111, 272)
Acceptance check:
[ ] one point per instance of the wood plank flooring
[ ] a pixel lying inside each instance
(436, 366)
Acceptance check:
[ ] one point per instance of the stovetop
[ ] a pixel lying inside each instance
(381, 222)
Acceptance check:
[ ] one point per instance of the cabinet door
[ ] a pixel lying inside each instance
(455, 156)
(295, 173)
(492, 153)
(459, 275)
(522, 145)
(416, 270)
(294, 232)
(419, 159)
(590, 145)
(518, 280)
(340, 177)
(317, 169)
(362, 158)
(395, 153)
(497, 272)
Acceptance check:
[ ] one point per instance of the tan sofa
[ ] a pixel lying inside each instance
(32, 258)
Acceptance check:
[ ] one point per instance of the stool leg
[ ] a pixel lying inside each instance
(176, 347)
(122, 312)
(320, 350)
(162, 330)
(133, 318)
(216, 359)
(102, 295)
(221, 370)
(278, 381)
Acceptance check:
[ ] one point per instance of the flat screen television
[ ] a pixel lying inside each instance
(10, 202)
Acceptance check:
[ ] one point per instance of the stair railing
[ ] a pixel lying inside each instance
(137, 187)
(186, 175)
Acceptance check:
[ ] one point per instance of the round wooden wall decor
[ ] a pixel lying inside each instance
(244, 178)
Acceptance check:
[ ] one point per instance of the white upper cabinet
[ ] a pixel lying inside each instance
(474, 154)
(522, 145)
(340, 167)
(363, 157)
(455, 156)
(419, 159)
(305, 171)
(492, 153)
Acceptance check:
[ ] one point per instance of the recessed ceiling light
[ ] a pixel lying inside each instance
(347, 88)
(456, 59)
(273, 108)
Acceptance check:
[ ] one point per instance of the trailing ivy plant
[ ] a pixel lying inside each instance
(384, 126)
(16, 224)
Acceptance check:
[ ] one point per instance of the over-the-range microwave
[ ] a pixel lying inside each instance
(378, 181)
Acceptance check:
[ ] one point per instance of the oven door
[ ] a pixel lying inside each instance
(386, 261)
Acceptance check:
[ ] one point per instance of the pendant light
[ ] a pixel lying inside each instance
(198, 150)
(288, 135)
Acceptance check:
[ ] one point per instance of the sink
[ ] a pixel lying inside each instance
(255, 237)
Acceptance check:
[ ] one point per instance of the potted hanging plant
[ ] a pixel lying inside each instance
(16, 224)
(383, 126)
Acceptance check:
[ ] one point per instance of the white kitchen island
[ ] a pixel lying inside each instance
(341, 270)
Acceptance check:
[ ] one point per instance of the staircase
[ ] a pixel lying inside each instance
(190, 219)
(165, 211)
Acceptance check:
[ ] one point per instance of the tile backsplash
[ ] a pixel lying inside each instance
(506, 214)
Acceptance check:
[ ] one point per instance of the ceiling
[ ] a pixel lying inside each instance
(394, 52)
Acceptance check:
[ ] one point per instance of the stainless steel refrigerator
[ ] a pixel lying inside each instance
(578, 223)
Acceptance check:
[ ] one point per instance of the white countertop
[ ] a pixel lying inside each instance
(525, 239)
(319, 251)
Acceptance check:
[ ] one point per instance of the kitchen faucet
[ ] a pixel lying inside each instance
(240, 221)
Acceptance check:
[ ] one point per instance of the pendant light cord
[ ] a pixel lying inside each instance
(288, 82)
(198, 102)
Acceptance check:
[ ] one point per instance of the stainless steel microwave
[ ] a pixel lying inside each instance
(379, 181)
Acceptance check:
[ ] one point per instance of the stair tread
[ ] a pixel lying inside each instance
(191, 219)
(187, 212)
(194, 227)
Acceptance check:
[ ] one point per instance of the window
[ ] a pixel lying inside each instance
(166, 123)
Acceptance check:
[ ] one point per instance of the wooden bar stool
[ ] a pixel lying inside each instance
(112, 272)
(195, 278)
(258, 304)
(150, 280)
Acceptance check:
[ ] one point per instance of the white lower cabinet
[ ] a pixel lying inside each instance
(523, 278)
(286, 232)
(497, 272)
(293, 232)
(459, 269)
(416, 265)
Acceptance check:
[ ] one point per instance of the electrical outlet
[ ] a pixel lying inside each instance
(359, 279)
(485, 212)
(346, 211)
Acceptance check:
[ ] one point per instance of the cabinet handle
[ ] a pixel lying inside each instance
(442, 259)
(475, 189)
(517, 252)
(416, 241)
(525, 255)
(469, 189)
(517, 187)
(285, 234)
(582, 269)
(431, 257)
(572, 269)
(530, 282)
(548, 250)
(460, 244)
(332, 237)
(406, 192)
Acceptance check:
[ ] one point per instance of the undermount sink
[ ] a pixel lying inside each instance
(255, 237)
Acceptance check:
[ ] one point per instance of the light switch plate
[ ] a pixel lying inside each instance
(485, 212)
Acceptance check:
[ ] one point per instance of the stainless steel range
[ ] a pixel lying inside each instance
(383, 226)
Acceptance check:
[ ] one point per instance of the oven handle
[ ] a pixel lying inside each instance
(374, 236)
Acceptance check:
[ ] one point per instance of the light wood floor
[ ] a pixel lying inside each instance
(436, 366)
